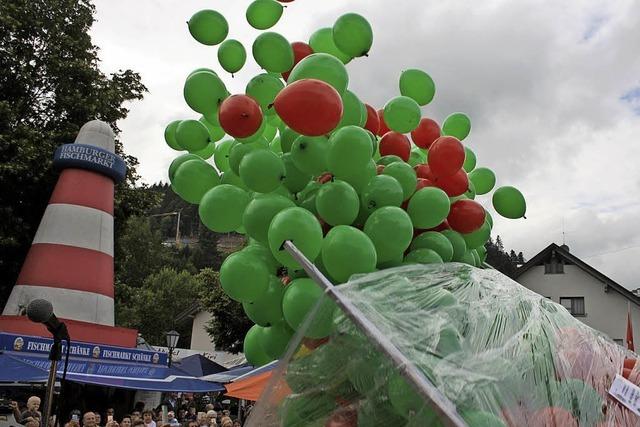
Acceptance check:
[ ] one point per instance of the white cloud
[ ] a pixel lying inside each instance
(542, 81)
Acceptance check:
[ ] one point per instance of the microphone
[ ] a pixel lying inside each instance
(41, 311)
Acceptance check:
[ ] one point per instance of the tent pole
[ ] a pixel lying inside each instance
(439, 403)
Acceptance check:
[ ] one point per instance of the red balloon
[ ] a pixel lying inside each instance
(285, 1)
(310, 107)
(446, 156)
(394, 143)
(424, 171)
(300, 51)
(383, 128)
(423, 182)
(454, 185)
(466, 216)
(240, 116)
(373, 122)
(426, 133)
(444, 225)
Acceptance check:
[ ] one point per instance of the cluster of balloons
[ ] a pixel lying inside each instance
(305, 159)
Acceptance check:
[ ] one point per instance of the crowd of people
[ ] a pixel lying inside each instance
(178, 414)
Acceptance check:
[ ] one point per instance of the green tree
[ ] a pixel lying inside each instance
(50, 85)
(229, 323)
(498, 258)
(153, 307)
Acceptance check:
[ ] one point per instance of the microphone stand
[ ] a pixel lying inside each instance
(55, 354)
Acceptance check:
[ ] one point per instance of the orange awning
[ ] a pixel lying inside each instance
(251, 387)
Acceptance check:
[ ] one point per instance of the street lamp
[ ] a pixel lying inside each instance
(172, 342)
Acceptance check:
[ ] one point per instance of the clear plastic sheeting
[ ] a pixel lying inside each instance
(503, 355)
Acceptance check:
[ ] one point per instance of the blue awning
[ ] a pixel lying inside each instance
(15, 370)
(25, 359)
(230, 375)
(198, 365)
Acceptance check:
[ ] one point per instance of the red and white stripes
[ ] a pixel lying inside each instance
(70, 262)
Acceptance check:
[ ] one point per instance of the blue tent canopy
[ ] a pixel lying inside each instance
(230, 375)
(198, 365)
(106, 366)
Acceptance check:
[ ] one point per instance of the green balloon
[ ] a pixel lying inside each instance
(239, 150)
(347, 251)
(264, 88)
(457, 242)
(267, 309)
(170, 135)
(221, 155)
(216, 133)
(206, 152)
(417, 157)
(192, 135)
(469, 160)
(402, 114)
(231, 178)
(478, 237)
(471, 192)
(457, 124)
(259, 213)
(232, 56)
(299, 226)
(353, 111)
(488, 218)
(208, 27)
(276, 339)
(382, 190)
(175, 164)
(300, 298)
(387, 160)
(337, 203)
(310, 153)
(264, 14)
(321, 66)
(476, 258)
(287, 138)
(404, 399)
(193, 179)
(294, 179)
(273, 52)
(352, 34)
(262, 171)
(405, 175)
(428, 207)
(244, 277)
(435, 241)
(509, 202)
(204, 92)
(358, 178)
(349, 147)
(322, 42)
(390, 229)
(262, 252)
(222, 207)
(253, 347)
(482, 253)
(423, 256)
(275, 145)
(417, 85)
(468, 258)
(483, 180)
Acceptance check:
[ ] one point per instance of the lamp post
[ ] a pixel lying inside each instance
(172, 342)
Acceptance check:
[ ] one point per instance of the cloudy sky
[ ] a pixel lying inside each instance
(552, 89)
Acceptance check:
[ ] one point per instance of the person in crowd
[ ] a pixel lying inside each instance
(236, 423)
(32, 422)
(110, 413)
(135, 415)
(147, 417)
(72, 423)
(192, 424)
(126, 421)
(171, 402)
(173, 421)
(212, 418)
(16, 411)
(137, 423)
(98, 418)
(191, 414)
(31, 413)
(202, 419)
(226, 422)
(182, 413)
(89, 420)
(208, 407)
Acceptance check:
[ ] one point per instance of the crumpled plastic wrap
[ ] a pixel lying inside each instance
(503, 355)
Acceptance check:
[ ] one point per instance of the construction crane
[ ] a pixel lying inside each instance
(178, 213)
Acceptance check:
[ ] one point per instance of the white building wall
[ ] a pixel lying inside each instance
(605, 311)
(200, 340)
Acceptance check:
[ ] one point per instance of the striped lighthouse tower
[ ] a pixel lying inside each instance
(70, 262)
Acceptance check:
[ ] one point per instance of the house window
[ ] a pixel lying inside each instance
(554, 267)
(575, 305)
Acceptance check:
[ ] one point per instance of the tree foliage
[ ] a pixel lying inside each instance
(50, 85)
(229, 323)
(498, 258)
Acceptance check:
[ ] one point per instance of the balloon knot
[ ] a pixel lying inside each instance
(282, 245)
(366, 54)
(524, 217)
(233, 76)
(244, 115)
(269, 106)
